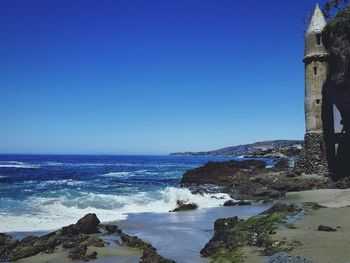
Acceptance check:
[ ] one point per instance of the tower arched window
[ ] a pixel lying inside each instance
(318, 39)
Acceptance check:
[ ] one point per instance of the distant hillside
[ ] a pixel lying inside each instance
(257, 148)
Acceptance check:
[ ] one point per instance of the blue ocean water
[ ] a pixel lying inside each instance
(44, 192)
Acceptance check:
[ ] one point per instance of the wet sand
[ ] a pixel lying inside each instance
(322, 247)
(181, 235)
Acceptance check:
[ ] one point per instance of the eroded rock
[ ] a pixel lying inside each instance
(183, 206)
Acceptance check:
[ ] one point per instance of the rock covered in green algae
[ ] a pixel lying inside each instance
(76, 241)
(231, 234)
(149, 254)
(74, 238)
(6, 244)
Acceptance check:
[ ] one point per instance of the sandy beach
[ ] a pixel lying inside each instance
(316, 245)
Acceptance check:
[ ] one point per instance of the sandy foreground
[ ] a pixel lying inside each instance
(318, 246)
(106, 255)
(315, 245)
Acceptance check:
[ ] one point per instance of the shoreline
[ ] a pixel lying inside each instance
(180, 236)
(177, 235)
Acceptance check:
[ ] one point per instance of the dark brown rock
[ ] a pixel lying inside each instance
(6, 244)
(88, 224)
(182, 206)
(237, 203)
(150, 255)
(70, 230)
(326, 228)
(222, 173)
(78, 252)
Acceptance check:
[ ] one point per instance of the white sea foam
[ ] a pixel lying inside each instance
(57, 212)
(117, 174)
(14, 164)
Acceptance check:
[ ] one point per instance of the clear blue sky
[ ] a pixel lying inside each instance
(149, 77)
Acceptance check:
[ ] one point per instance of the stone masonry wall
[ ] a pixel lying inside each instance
(313, 159)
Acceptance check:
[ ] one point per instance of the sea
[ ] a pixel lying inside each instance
(46, 192)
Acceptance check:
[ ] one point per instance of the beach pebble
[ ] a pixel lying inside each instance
(326, 228)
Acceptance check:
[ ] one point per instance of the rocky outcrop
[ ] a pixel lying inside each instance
(237, 203)
(231, 234)
(221, 173)
(183, 206)
(75, 239)
(250, 180)
(149, 255)
(88, 224)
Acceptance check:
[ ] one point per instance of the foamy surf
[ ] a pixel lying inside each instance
(53, 213)
(15, 164)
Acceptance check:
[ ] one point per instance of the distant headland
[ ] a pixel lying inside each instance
(261, 149)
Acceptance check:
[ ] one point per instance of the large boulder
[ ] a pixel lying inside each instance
(183, 206)
(222, 173)
(88, 224)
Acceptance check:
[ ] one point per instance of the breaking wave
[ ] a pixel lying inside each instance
(53, 213)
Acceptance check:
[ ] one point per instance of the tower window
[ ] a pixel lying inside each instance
(318, 39)
(315, 71)
(318, 102)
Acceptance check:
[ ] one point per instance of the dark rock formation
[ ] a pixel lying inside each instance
(237, 203)
(231, 234)
(326, 228)
(88, 224)
(149, 255)
(250, 180)
(6, 244)
(221, 173)
(336, 37)
(74, 237)
(182, 206)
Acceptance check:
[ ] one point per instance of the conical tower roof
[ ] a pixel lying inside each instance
(318, 21)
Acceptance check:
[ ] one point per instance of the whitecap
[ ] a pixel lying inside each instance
(117, 174)
(15, 164)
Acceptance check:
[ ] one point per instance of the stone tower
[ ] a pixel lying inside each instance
(316, 66)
